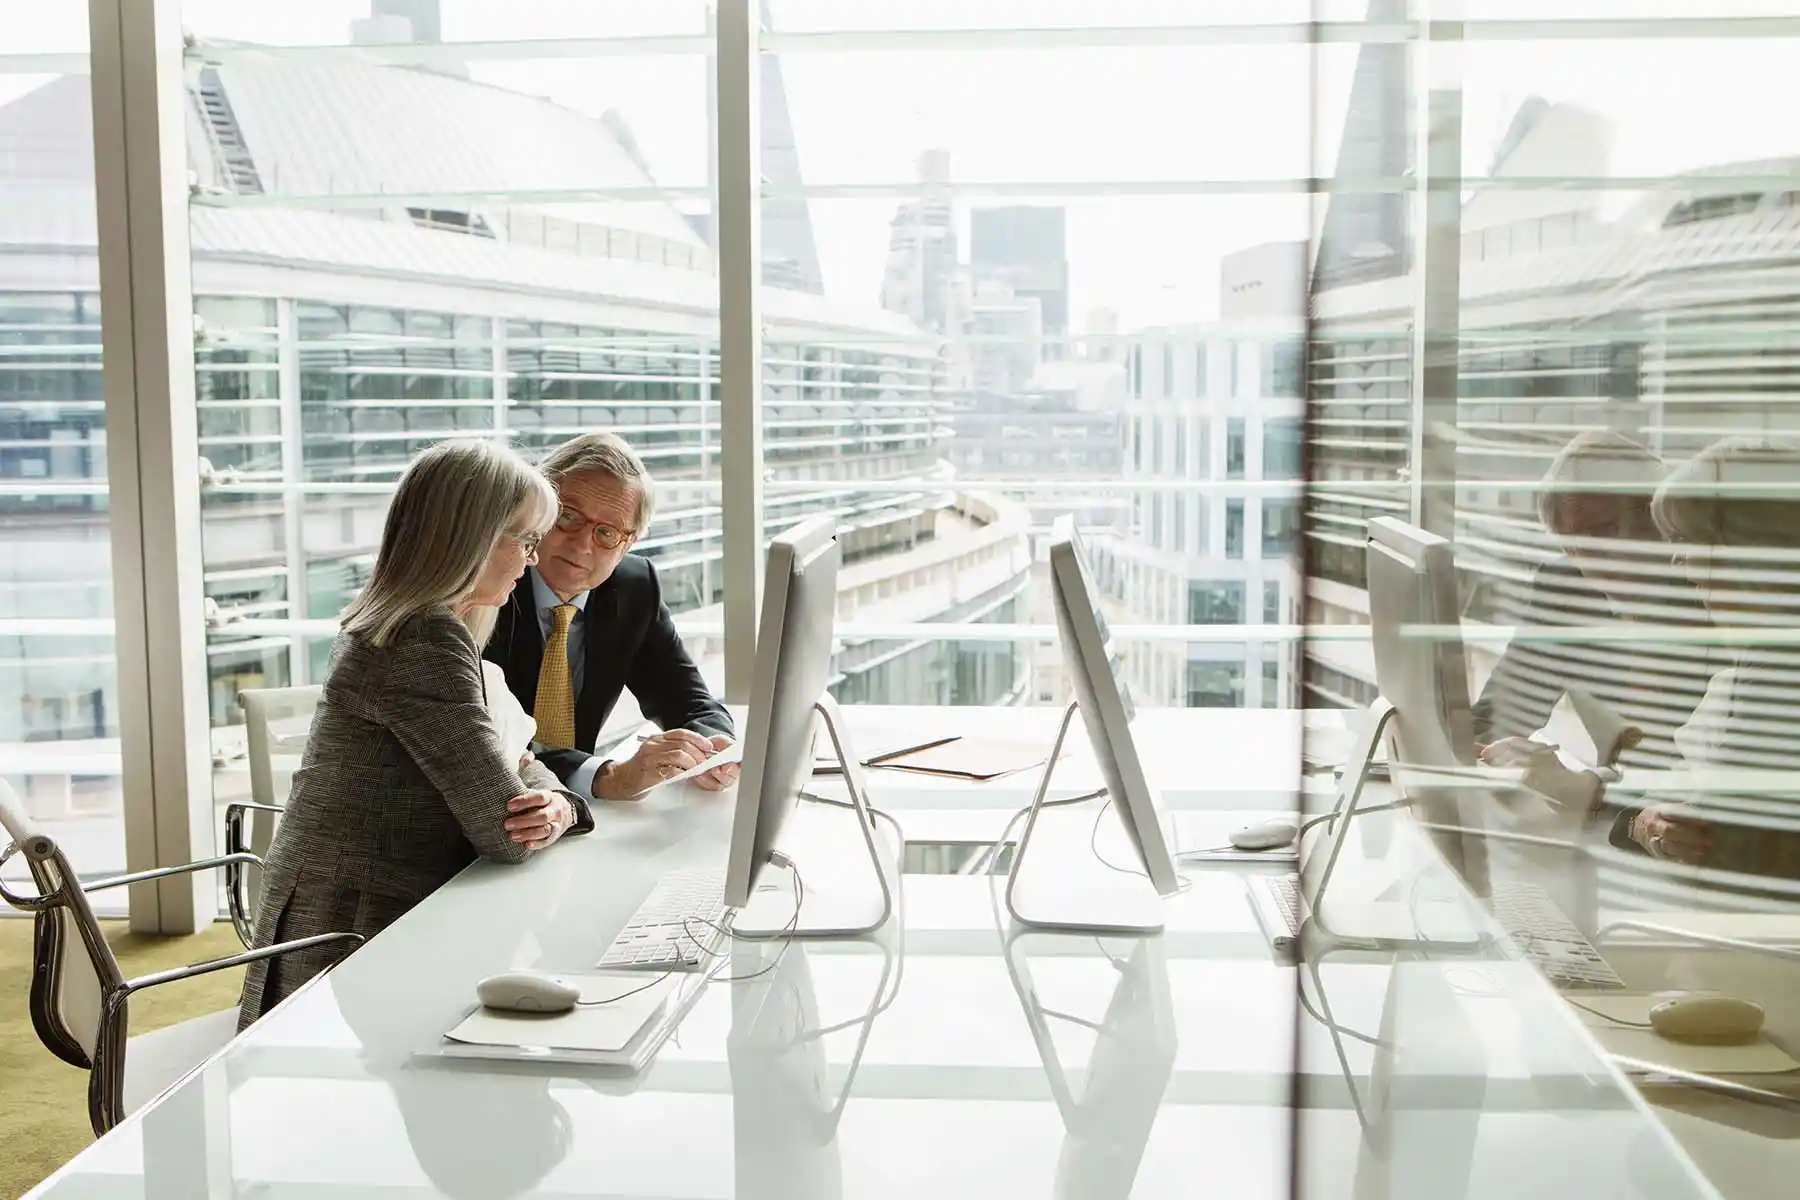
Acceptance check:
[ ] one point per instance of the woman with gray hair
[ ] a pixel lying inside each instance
(406, 780)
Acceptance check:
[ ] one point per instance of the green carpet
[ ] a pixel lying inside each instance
(43, 1100)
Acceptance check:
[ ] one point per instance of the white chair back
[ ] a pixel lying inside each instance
(273, 718)
(72, 965)
(270, 718)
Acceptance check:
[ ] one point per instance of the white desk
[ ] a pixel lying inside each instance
(1168, 1066)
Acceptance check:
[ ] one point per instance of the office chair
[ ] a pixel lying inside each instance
(245, 831)
(78, 995)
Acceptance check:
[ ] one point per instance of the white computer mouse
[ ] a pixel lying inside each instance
(527, 992)
(1264, 835)
(1705, 1017)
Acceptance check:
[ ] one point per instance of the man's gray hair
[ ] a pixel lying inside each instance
(604, 454)
(1740, 493)
(455, 502)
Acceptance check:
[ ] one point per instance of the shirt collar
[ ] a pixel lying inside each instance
(547, 599)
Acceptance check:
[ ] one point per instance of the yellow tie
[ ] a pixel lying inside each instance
(555, 710)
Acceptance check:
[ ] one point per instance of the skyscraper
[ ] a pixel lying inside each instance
(1026, 248)
(924, 277)
(790, 252)
(427, 23)
(1365, 232)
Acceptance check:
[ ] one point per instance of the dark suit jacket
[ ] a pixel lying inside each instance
(403, 784)
(629, 642)
(1656, 683)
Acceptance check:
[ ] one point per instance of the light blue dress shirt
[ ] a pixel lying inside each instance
(582, 781)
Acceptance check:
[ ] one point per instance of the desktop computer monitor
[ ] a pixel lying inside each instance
(793, 663)
(1104, 698)
(1416, 627)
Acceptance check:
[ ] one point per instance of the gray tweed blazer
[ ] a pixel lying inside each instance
(404, 783)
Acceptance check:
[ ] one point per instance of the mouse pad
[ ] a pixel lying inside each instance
(1760, 1057)
(600, 1026)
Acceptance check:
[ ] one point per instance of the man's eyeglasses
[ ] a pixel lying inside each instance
(605, 536)
(530, 541)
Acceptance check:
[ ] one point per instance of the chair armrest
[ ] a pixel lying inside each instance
(237, 893)
(175, 974)
(235, 812)
(205, 864)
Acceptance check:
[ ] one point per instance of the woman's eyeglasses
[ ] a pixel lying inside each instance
(530, 541)
(608, 538)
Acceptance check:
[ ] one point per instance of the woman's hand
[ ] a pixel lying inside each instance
(1665, 834)
(539, 818)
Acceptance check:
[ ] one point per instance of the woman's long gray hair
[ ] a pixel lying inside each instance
(455, 502)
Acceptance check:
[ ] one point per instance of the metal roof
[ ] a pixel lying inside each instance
(344, 126)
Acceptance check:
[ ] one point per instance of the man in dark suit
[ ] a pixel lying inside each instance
(588, 621)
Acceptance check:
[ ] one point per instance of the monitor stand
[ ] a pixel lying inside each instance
(1041, 893)
(848, 871)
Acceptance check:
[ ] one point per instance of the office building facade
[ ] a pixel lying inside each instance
(331, 346)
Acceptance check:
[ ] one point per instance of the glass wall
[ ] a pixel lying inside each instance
(1592, 405)
(59, 710)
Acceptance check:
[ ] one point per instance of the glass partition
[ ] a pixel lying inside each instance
(59, 708)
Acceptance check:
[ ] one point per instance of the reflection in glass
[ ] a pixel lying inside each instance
(1108, 1125)
(785, 1107)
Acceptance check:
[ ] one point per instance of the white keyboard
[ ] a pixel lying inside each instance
(678, 927)
(1548, 940)
(1543, 934)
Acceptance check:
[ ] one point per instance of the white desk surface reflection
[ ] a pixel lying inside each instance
(948, 1056)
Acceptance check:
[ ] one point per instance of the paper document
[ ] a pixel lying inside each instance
(979, 759)
(594, 1025)
(886, 751)
(733, 753)
(1759, 1057)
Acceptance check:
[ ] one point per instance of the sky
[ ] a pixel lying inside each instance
(1180, 112)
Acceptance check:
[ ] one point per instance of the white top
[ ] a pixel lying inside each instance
(943, 1058)
(514, 725)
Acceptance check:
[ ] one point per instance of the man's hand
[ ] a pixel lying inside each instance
(1666, 834)
(539, 818)
(657, 758)
(722, 776)
(1544, 772)
(1511, 752)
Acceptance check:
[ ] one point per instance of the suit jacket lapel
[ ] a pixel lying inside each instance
(600, 652)
(525, 654)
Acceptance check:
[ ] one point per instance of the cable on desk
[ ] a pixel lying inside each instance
(1094, 846)
(624, 995)
(787, 933)
(1607, 1016)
